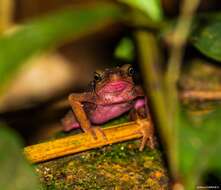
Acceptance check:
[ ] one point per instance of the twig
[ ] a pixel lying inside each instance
(200, 95)
(81, 142)
(179, 38)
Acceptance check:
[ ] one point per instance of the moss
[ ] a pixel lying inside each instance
(118, 166)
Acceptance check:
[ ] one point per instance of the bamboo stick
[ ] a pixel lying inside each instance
(83, 141)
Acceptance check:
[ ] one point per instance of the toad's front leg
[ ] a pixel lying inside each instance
(140, 112)
(77, 107)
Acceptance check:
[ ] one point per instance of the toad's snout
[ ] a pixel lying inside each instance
(114, 76)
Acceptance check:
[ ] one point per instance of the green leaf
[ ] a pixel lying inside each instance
(125, 50)
(15, 172)
(49, 31)
(206, 35)
(200, 146)
(151, 7)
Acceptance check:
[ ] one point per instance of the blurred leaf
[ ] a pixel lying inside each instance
(200, 145)
(206, 35)
(49, 31)
(15, 173)
(151, 7)
(125, 50)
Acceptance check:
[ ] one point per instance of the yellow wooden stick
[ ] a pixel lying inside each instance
(83, 141)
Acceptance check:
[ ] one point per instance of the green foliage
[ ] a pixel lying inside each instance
(205, 34)
(48, 32)
(200, 145)
(125, 50)
(192, 142)
(15, 172)
(151, 7)
(206, 37)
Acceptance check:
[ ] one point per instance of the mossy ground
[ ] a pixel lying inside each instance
(122, 165)
(118, 166)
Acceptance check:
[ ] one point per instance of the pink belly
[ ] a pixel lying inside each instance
(103, 113)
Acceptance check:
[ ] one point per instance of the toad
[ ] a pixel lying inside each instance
(113, 94)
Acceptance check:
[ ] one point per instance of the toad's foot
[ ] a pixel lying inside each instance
(94, 132)
(146, 129)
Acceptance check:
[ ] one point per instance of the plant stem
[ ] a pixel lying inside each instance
(178, 42)
(149, 54)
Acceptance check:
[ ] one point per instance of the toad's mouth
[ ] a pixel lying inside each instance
(116, 86)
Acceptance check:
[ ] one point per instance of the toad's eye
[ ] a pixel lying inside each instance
(97, 77)
(130, 71)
